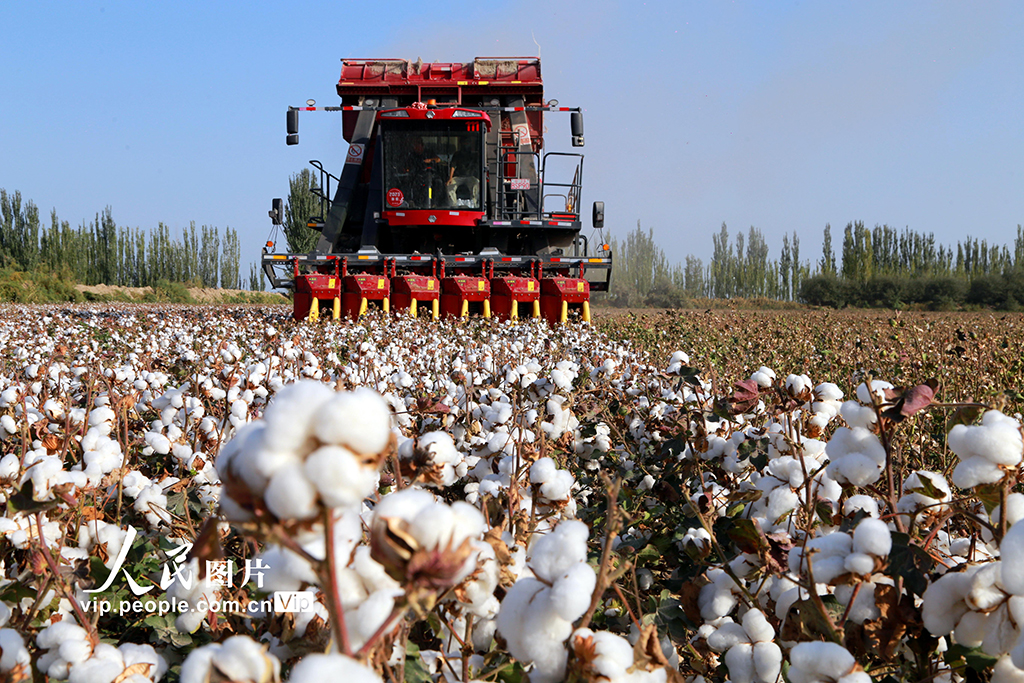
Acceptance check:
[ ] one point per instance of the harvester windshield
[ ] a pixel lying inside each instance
(433, 165)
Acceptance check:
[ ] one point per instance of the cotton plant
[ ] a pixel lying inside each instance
(538, 611)
(500, 438)
(313, 449)
(239, 658)
(824, 663)
(987, 451)
(838, 557)
(751, 654)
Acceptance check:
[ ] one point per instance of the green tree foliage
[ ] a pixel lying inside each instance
(303, 203)
(101, 252)
(642, 274)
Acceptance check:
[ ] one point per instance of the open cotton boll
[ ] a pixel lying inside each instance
(816, 661)
(555, 552)
(570, 594)
(856, 456)
(1006, 670)
(15, 656)
(290, 495)
(943, 602)
(678, 360)
(1011, 553)
(986, 448)
(997, 438)
(764, 376)
(757, 627)
(291, 416)
(193, 591)
(860, 502)
(339, 476)
(974, 471)
(718, 598)
(872, 537)
(916, 496)
(857, 415)
(514, 621)
(798, 385)
(1014, 507)
(317, 668)
(876, 390)
(415, 536)
(727, 635)
(432, 460)
(827, 391)
(359, 420)
(613, 655)
(66, 644)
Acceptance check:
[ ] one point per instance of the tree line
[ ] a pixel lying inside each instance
(876, 267)
(102, 252)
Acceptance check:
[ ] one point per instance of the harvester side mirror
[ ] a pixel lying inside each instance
(598, 214)
(277, 211)
(576, 124)
(293, 127)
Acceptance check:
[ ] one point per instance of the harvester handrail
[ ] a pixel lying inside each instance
(439, 106)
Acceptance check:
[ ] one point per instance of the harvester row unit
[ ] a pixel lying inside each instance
(448, 203)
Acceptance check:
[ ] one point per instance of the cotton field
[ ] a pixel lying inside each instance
(221, 494)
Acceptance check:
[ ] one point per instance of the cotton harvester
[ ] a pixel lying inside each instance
(448, 201)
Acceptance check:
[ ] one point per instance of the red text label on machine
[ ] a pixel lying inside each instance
(520, 183)
(395, 197)
(355, 154)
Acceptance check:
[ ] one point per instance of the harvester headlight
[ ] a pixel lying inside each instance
(465, 114)
(396, 114)
(310, 103)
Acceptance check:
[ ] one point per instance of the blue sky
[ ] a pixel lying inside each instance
(780, 115)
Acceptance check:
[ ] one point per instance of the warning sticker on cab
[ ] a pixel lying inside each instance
(355, 154)
(395, 197)
(520, 184)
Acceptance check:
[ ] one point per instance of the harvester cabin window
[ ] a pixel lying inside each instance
(431, 169)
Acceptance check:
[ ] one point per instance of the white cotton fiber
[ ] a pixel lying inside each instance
(338, 476)
(316, 668)
(943, 603)
(553, 553)
(290, 416)
(360, 420)
(13, 650)
(1011, 552)
(872, 537)
(290, 495)
(727, 635)
(740, 661)
(860, 502)
(570, 595)
(757, 626)
(816, 661)
(857, 563)
(767, 658)
(975, 471)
